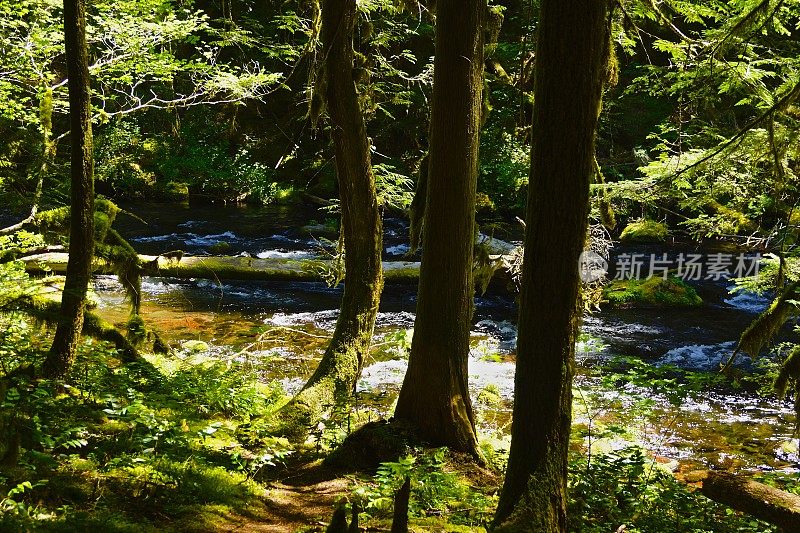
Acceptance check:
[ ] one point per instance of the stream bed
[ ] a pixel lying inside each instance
(284, 327)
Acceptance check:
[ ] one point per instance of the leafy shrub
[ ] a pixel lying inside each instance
(505, 161)
(224, 388)
(436, 490)
(121, 153)
(207, 160)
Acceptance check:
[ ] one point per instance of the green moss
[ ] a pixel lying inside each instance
(194, 346)
(737, 220)
(484, 204)
(220, 248)
(658, 292)
(490, 396)
(321, 230)
(766, 326)
(644, 231)
(174, 191)
(242, 268)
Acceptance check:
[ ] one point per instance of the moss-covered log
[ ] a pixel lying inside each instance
(228, 268)
(47, 310)
(772, 505)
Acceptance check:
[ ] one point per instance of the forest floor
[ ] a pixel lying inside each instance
(290, 506)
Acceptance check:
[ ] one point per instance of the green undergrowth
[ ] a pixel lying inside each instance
(658, 292)
(621, 407)
(448, 492)
(627, 490)
(115, 448)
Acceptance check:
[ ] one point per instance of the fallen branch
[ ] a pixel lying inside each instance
(775, 506)
(49, 311)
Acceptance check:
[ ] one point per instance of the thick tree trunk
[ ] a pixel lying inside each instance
(568, 87)
(81, 235)
(335, 378)
(435, 397)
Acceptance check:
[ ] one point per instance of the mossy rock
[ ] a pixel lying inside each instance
(194, 346)
(174, 191)
(490, 397)
(220, 248)
(645, 231)
(653, 292)
(484, 205)
(321, 230)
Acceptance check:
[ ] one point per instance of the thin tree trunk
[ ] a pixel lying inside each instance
(335, 378)
(81, 234)
(568, 87)
(434, 397)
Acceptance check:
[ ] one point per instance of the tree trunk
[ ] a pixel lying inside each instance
(435, 397)
(81, 234)
(335, 378)
(567, 94)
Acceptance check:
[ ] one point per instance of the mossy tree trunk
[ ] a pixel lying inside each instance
(335, 378)
(567, 94)
(434, 397)
(81, 234)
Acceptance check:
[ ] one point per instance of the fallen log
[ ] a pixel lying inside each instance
(494, 246)
(226, 268)
(774, 506)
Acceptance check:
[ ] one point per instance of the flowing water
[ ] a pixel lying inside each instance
(284, 327)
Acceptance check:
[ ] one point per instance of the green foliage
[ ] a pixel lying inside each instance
(436, 490)
(395, 190)
(232, 389)
(505, 165)
(723, 157)
(625, 488)
(120, 151)
(122, 447)
(212, 164)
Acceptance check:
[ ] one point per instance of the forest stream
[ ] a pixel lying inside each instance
(283, 328)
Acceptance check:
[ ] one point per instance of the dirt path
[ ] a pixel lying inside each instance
(303, 501)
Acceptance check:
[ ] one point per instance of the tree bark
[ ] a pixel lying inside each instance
(362, 228)
(567, 95)
(81, 235)
(400, 513)
(435, 397)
